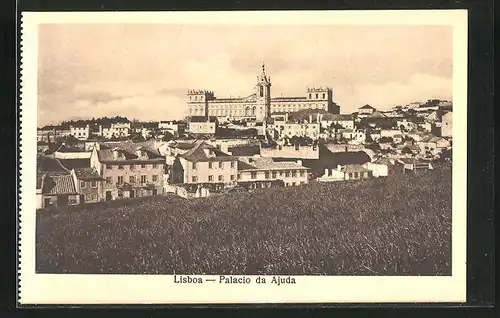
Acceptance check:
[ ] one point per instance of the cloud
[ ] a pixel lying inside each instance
(144, 71)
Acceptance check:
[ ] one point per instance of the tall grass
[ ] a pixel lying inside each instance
(400, 225)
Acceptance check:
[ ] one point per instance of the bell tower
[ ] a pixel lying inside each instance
(263, 95)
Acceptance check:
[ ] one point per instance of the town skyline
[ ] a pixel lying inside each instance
(145, 71)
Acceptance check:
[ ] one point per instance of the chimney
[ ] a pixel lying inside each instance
(116, 153)
(299, 162)
(286, 117)
(326, 171)
(224, 147)
(310, 118)
(339, 167)
(138, 151)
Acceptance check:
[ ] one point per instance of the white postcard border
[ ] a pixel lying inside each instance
(160, 289)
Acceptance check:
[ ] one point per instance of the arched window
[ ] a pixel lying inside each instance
(323, 95)
(253, 111)
(261, 91)
(247, 111)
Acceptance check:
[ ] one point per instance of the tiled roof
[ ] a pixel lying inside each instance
(49, 164)
(58, 185)
(197, 153)
(366, 107)
(264, 163)
(87, 174)
(128, 150)
(330, 160)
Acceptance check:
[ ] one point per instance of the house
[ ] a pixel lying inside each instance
(177, 128)
(42, 146)
(365, 111)
(202, 125)
(378, 169)
(345, 121)
(80, 131)
(303, 129)
(330, 160)
(89, 184)
(114, 130)
(414, 165)
(204, 164)
(432, 144)
(129, 169)
(397, 138)
(446, 124)
(389, 132)
(347, 172)
(265, 172)
(59, 190)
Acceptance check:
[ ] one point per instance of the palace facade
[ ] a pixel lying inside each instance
(260, 104)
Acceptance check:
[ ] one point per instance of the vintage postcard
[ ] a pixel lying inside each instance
(243, 157)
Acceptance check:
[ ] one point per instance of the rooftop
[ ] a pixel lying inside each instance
(62, 184)
(87, 174)
(128, 150)
(353, 168)
(264, 163)
(199, 154)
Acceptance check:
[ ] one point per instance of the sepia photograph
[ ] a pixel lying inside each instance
(228, 153)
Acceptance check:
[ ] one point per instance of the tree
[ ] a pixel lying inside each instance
(168, 136)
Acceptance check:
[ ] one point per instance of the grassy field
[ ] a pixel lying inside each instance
(400, 225)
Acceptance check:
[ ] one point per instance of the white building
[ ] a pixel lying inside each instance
(262, 172)
(80, 132)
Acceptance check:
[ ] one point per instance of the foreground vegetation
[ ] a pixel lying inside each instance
(400, 225)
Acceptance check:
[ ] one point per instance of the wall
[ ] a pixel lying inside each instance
(246, 175)
(202, 172)
(202, 128)
(379, 170)
(72, 155)
(331, 175)
(447, 127)
(136, 172)
(305, 152)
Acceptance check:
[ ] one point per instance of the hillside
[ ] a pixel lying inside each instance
(316, 229)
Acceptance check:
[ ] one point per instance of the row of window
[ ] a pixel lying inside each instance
(91, 184)
(317, 95)
(220, 178)
(356, 175)
(212, 165)
(90, 197)
(132, 167)
(274, 174)
(131, 179)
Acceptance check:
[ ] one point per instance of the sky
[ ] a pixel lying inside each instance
(144, 71)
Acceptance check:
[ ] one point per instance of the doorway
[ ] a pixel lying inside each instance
(132, 194)
(109, 197)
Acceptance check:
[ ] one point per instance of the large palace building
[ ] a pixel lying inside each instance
(260, 104)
